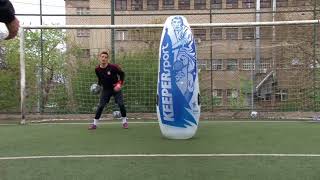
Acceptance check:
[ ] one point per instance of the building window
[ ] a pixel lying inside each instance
(217, 96)
(168, 4)
(282, 3)
(121, 35)
(85, 53)
(281, 95)
(247, 65)
(232, 93)
(213, 65)
(199, 4)
(232, 33)
(216, 4)
(121, 5)
(264, 66)
(216, 64)
(135, 35)
(231, 65)
(303, 2)
(153, 4)
(248, 3)
(265, 3)
(203, 64)
(184, 4)
(217, 93)
(247, 33)
(83, 32)
(216, 34)
(232, 4)
(150, 34)
(199, 35)
(83, 11)
(137, 5)
(266, 33)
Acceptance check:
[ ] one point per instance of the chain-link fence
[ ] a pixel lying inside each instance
(267, 69)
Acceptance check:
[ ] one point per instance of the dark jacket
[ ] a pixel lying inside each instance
(7, 13)
(109, 76)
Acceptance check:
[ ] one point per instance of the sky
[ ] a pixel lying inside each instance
(33, 7)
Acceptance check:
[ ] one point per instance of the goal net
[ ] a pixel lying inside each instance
(268, 67)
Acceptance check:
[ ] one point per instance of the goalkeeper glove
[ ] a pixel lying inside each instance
(117, 86)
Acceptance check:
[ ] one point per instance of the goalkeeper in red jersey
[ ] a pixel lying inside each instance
(111, 78)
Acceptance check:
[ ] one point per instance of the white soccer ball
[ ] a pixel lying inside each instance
(95, 89)
(116, 114)
(254, 114)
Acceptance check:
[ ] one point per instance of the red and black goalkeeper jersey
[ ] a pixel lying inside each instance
(109, 76)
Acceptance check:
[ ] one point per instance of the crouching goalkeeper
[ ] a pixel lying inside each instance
(111, 78)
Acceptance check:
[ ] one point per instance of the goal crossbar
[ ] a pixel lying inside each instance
(133, 26)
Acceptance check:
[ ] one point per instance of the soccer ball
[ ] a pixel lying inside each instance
(254, 114)
(116, 114)
(95, 89)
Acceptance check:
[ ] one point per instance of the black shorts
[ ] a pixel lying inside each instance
(107, 94)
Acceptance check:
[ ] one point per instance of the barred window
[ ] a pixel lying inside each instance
(217, 64)
(232, 93)
(200, 34)
(282, 3)
(153, 4)
(135, 35)
(265, 3)
(150, 34)
(265, 65)
(282, 95)
(232, 33)
(247, 65)
(248, 3)
(217, 97)
(199, 4)
(121, 5)
(232, 3)
(121, 35)
(214, 64)
(217, 92)
(303, 3)
(247, 33)
(216, 4)
(168, 4)
(232, 64)
(203, 64)
(83, 10)
(184, 4)
(216, 34)
(137, 5)
(266, 33)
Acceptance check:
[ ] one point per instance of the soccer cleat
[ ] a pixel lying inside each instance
(125, 125)
(92, 127)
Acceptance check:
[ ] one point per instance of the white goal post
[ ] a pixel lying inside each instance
(129, 26)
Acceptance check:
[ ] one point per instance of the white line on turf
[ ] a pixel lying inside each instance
(153, 122)
(157, 155)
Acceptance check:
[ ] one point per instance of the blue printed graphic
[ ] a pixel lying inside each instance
(177, 75)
